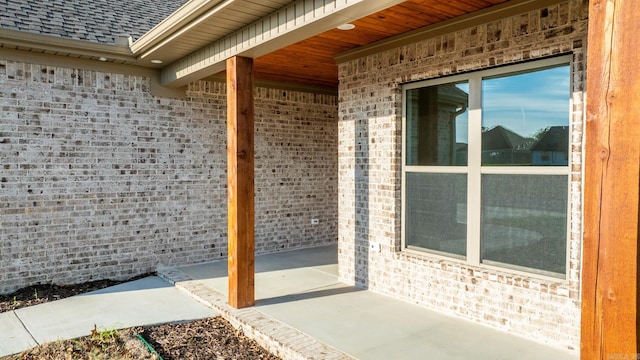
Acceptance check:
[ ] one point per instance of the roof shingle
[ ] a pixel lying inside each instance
(98, 21)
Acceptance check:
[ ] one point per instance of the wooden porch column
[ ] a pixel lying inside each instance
(240, 181)
(612, 180)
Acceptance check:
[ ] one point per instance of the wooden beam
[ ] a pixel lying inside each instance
(240, 178)
(612, 181)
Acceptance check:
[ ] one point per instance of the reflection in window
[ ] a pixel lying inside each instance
(458, 197)
(551, 147)
(437, 125)
(525, 118)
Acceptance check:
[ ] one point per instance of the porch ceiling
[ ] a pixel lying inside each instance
(311, 61)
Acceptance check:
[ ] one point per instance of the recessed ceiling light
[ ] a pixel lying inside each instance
(102, 58)
(346, 26)
(156, 61)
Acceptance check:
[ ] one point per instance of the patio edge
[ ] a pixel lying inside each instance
(275, 336)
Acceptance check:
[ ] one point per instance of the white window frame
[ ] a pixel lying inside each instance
(475, 170)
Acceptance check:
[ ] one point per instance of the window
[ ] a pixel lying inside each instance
(486, 170)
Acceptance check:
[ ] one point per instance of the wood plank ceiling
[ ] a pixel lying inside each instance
(310, 62)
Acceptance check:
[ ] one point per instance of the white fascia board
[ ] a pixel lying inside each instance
(295, 22)
(198, 10)
(64, 45)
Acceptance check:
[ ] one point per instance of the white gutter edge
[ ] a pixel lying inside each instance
(190, 11)
(71, 46)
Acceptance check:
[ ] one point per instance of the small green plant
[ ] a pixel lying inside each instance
(35, 294)
(103, 335)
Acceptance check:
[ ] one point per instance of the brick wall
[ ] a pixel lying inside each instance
(369, 176)
(99, 179)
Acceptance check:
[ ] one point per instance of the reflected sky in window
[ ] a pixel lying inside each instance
(527, 103)
(524, 103)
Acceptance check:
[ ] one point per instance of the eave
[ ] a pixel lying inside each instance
(292, 42)
(286, 26)
(197, 24)
(19, 40)
(194, 10)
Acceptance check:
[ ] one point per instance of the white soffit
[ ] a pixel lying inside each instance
(197, 24)
(189, 12)
(295, 22)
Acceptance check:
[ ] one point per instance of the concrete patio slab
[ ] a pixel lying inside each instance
(147, 301)
(357, 322)
(14, 338)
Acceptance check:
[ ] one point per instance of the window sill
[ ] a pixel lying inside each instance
(488, 271)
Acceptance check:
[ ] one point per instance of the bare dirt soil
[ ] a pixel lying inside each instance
(212, 338)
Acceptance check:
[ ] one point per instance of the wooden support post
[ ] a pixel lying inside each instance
(240, 177)
(612, 181)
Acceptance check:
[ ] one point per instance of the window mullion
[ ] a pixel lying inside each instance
(474, 165)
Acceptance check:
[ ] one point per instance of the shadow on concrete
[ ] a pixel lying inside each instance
(307, 295)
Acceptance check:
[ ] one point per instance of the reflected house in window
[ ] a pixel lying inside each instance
(437, 116)
(452, 102)
(552, 148)
(503, 146)
(434, 113)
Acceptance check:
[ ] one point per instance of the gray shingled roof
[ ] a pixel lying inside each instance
(555, 138)
(501, 138)
(92, 20)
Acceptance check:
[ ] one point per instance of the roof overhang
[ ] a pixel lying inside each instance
(195, 41)
(293, 40)
(193, 12)
(20, 40)
(197, 24)
(288, 25)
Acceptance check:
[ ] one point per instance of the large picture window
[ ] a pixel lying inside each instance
(486, 166)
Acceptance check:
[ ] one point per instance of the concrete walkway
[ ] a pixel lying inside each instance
(146, 301)
(302, 310)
